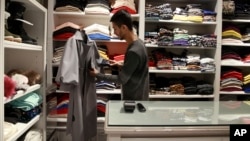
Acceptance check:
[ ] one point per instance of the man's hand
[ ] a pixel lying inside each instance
(93, 72)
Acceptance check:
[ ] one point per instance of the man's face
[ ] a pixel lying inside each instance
(119, 31)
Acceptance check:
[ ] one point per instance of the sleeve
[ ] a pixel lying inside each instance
(130, 64)
(68, 71)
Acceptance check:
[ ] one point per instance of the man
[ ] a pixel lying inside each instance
(133, 74)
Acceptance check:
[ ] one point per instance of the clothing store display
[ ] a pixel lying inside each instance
(189, 45)
(80, 55)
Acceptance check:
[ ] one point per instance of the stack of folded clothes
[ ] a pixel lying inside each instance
(195, 13)
(165, 37)
(231, 34)
(128, 5)
(193, 61)
(65, 30)
(181, 37)
(190, 86)
(162, 59)
(246, 83)
(207, 64)
(230, 56)
(23, 109)
(180, 14)
(61, 109)
(70, 5)
(151, 13)
(97, 32)
(231, 79)
(246, 58)
(176, 89)
(165, 11)
(195, 40)
(105, 85)
(209, 16)
(151, 38)
(57, 54)
(97, 7)
(101, 102)
(204, 88)
(209, 40)
(179, 61)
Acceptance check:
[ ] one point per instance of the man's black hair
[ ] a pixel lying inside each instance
(122, 17)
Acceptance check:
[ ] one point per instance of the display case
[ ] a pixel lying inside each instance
(178, 120)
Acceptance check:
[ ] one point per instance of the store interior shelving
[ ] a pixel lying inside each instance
(24, 56)
(212, 27)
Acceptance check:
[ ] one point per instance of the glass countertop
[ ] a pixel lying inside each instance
(180, 113)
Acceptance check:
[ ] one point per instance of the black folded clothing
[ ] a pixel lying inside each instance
(81, 4)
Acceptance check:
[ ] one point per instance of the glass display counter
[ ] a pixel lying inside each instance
(175, 120)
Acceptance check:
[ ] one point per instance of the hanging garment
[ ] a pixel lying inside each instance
(73, 75)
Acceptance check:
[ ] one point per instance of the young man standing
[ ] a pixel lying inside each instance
(133, 75)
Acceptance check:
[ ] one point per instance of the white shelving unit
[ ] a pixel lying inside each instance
(25, 57)
(80, 18)
(58, 18)
(193, 28)
(238, 65)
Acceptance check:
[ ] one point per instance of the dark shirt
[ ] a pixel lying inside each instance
(134, 73)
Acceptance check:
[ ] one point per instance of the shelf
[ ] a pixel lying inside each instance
(181, 96)
(57, 127)
(61, 91)
(235, 44)
(64, 120)
(22, 93)
(115, 91)
(22, 46)
(237, 20)
(49, 119)
(235, 93)
(101, 41)
(82, 14)
(238, 64)
(179, 22)
(22, 128)
(177, 47)
(179, 71)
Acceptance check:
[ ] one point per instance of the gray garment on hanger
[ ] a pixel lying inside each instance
(73, 76)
